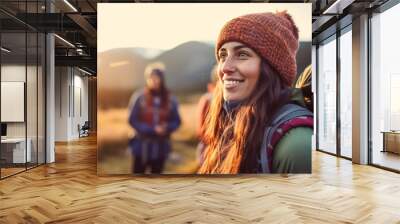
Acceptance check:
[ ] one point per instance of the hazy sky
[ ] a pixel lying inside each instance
(166, 25)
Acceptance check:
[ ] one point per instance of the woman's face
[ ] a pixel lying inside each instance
(154, 82)
(238, 70)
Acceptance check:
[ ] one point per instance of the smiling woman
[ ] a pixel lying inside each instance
(257, 123)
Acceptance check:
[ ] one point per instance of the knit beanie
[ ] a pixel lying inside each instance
(274, 36)
(156, 68)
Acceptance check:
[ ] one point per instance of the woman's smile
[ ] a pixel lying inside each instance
(232, 84)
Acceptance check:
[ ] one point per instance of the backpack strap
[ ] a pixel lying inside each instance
(284, 114)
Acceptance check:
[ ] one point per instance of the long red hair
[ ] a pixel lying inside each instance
(233, 142)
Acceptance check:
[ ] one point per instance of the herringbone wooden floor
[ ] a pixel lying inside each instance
(69, 191)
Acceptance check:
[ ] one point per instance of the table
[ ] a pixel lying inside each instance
(391, 141)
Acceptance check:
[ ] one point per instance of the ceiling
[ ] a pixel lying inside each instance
(75, 22)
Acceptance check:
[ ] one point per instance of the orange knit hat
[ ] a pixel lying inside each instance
(274, 36)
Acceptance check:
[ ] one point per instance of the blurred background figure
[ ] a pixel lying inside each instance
(154, 116)
(304, 83)
(202, 110)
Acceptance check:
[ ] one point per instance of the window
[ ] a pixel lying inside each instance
(22, 76)
(327, 96)
(385, 88)
(346, 75)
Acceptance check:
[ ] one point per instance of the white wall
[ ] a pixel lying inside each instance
(61, 103)
(16, 73)
(13, 73)
(71, 102)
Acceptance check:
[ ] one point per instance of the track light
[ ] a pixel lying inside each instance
(5, 50)
(64, 40)
(84, 71)
(337, 7)
(70, 5)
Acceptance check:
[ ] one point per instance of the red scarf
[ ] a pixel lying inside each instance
(148, 110)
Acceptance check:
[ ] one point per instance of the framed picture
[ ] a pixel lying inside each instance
(192, 88)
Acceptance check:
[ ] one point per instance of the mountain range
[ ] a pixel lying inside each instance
(188, 67)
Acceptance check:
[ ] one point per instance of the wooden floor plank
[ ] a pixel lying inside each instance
(69, 191)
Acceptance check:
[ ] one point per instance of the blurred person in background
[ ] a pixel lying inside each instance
(202, 110)
(257, 123)
(154, 116)
(304, 82)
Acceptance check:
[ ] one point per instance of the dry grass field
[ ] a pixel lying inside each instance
(114, 132)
